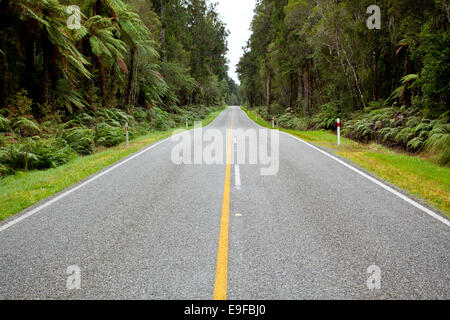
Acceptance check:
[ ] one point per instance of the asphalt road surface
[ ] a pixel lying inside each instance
(153, 229)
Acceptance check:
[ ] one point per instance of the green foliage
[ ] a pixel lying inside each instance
(179, 80)
(82, 133)
(116, 60)
(20, 104)
(439, 141)
(4, 170)
(31, 154)
(24, 124)
(109, 136)
(114, 117)
(319, 60)
(326, 118)
(402, 128)
(4, 123)
(434, 51)
(67, 91)
(290, 121)
(80, 139)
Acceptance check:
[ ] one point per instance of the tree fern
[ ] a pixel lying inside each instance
(5, 123)
(439, 142)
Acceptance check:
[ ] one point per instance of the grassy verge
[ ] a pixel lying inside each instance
(24, 189)
(419, 177)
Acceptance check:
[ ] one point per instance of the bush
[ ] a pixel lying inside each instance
(114, 117)
(326, 118)
(41, 154)
(439, 142)
(80, 139)
(140, 115)
(277, 109)
(4, 170)
(21, 148)
(20, 103)
(50, 154)
(290, 121)
(402, 128)
(4, 123)
(262, 111)
(109, 136)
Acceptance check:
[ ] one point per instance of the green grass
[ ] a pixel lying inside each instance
(257, 118)
(24, 189)
(211, 117)
(415, 174)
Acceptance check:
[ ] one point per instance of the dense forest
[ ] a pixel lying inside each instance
(64, 90)
(309, 62)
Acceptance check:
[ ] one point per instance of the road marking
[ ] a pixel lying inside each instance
(220, 287)
(379, 183)
(384, 186)
(89, 180)
(237, 177)
(237, 172)
(57, 198)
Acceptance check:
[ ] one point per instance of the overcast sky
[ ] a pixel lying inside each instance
(237, 15)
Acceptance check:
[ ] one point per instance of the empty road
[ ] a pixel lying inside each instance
(154, 229)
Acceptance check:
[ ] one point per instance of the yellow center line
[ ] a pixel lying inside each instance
(220, 288)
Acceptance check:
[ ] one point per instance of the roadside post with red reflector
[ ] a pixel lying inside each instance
(126, 134)
(273, 123)
(338, 132)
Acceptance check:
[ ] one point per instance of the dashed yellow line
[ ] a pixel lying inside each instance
(220, 287)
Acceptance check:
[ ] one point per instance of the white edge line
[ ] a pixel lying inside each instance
(381, 184)
(95, 177)
(59, 197)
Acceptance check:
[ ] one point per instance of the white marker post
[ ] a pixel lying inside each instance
(273, 123)
(187, 124)
(338, 132)
(126, 134)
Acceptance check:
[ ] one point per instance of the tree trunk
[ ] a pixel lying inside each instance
(292, 91)
(131, 87)
(4, 92)
(47, 82)
(208, 95)
(269, 90)
(355, 75)
(30, 49)
(163, 30)
(102, 82)
(308, 89)
(111, 83)
(317, 84)
(196, 98)
(300, 90)
(406, 97)
(91, 93)
(375, 68)
(375, 77)
(4, 67)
